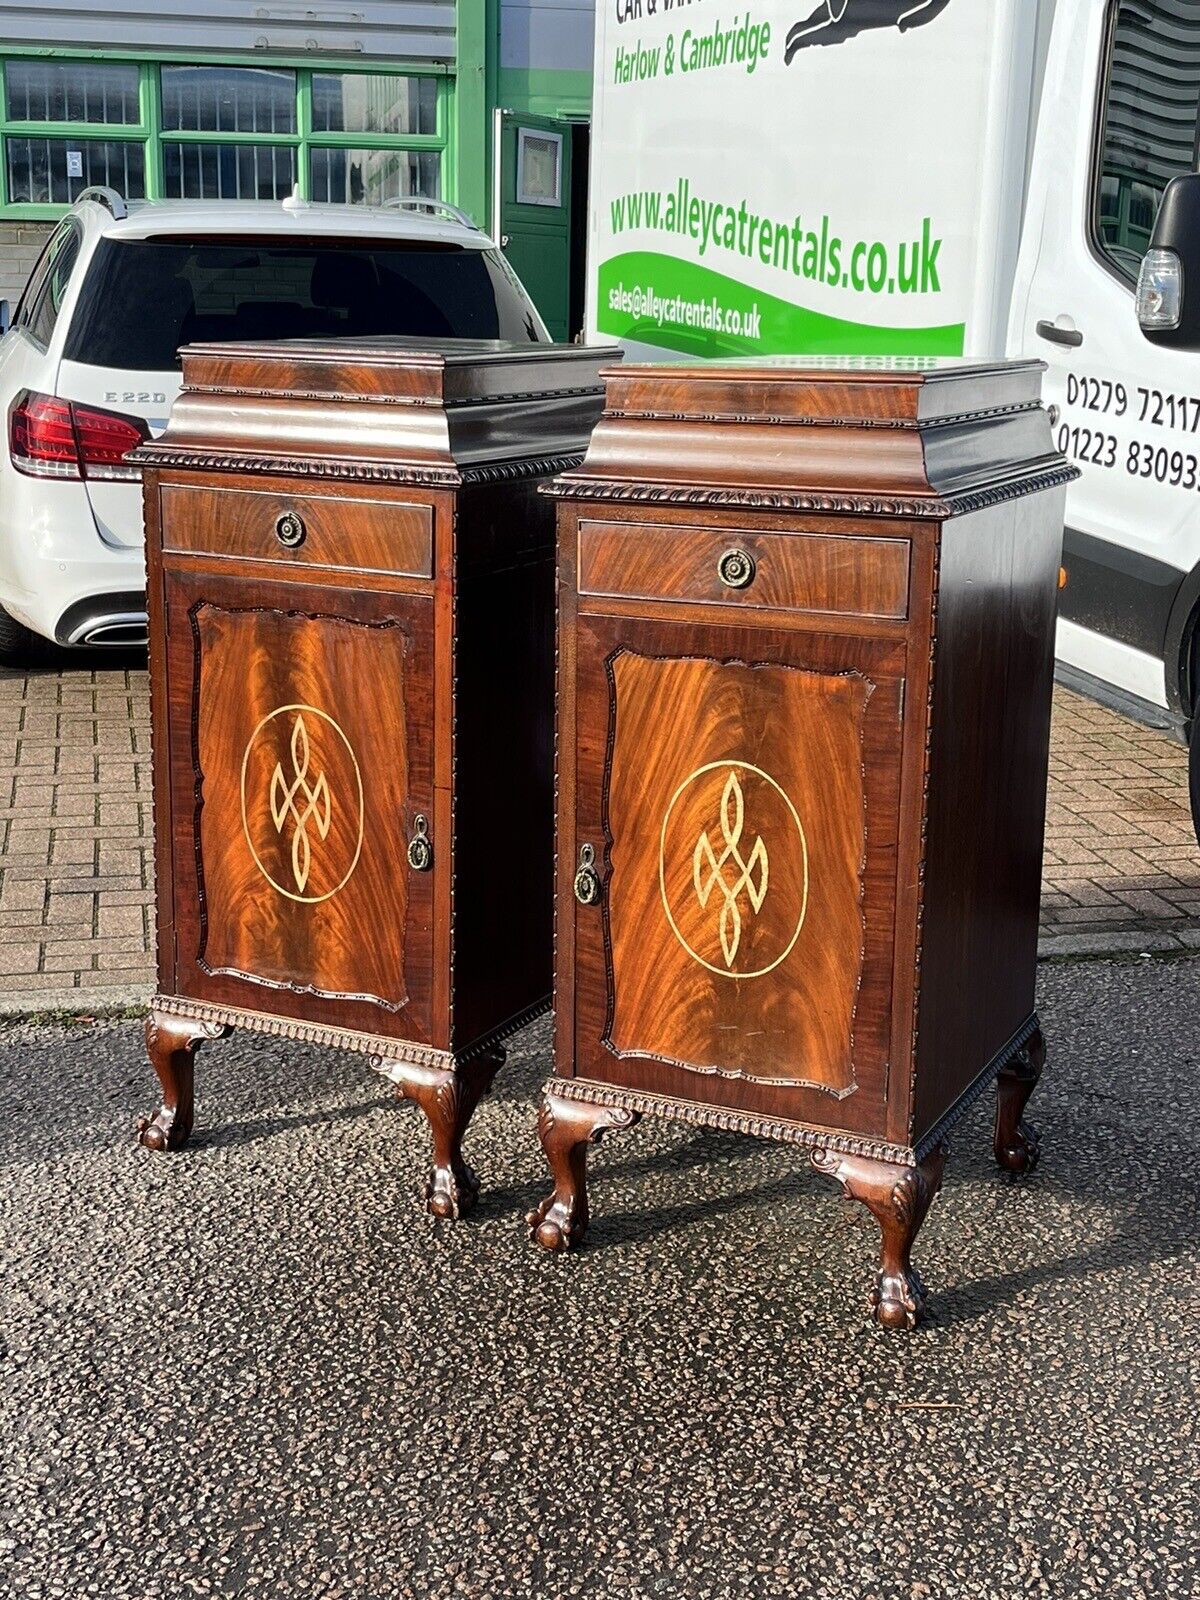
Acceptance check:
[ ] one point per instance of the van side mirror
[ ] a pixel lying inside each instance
(5, 317)
(1168, 291)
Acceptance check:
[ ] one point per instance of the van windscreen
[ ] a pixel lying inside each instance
(143, 298)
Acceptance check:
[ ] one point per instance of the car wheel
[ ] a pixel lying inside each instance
(16, 641)
(1194, 775)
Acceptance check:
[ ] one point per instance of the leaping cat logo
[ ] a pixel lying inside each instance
(835, 21)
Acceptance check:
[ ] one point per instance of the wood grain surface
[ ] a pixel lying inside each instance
(350, 577)
(307, 760)
(826, 572)
(343, 535)
(800, 819)
(833, 426)
(989, 761)
(398, 410)
(811, 727)
(736, 812)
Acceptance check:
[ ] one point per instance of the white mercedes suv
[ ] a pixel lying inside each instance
(89, 366)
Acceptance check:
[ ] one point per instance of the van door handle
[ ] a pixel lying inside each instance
(1057, 335)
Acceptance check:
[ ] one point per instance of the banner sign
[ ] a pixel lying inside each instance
(786, 176)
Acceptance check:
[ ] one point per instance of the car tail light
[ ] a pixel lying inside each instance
(41, 437)
(52, 438)
(105, 439)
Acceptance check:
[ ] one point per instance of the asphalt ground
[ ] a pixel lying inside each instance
(257, 1368)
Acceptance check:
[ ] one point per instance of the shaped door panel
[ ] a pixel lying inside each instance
(295, 801)
(744, 817)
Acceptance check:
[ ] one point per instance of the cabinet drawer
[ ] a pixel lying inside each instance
(792, 571)
(306, 529)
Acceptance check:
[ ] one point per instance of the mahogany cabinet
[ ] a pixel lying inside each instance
(805, 661)
(351, 581)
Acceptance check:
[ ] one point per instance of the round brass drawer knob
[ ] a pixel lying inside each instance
(736, 569)
(290, 530)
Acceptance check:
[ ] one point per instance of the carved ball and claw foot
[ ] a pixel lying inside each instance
(566, 1128)
(448, 1098)
(171, 1043)
(898, 1197)
(1016, 1141)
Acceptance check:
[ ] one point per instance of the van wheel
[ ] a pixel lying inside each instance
(16, 641)
(1194, 776)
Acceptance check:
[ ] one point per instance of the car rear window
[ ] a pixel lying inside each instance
(143, 298)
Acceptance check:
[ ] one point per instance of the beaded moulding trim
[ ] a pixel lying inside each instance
(381, 1050)
(936, 507)
(765, 1127)
(368, 1044)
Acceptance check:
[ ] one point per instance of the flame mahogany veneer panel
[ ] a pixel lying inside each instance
(736, 813)
(810, 727)
(306, 759)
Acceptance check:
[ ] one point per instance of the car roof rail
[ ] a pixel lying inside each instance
(441, 208)
(104, 196)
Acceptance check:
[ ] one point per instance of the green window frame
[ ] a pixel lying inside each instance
(148, 132)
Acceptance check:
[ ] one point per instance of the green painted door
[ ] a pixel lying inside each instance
(535, 211)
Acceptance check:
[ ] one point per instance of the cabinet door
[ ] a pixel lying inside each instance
(740, 791)
(300, 749)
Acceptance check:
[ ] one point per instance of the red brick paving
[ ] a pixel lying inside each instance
(1122, 867)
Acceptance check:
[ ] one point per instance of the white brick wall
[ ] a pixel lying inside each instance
(20, 245)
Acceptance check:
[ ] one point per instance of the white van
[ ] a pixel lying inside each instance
(892, 177)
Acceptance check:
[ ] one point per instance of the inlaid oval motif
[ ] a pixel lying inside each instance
(302, 803)
(733, 869)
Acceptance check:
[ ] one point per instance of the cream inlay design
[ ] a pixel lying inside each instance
(708, 869)
(727, 876)
(317, 807)
(301, 802)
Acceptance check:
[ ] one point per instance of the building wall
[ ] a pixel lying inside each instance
(528, 56)
(531, 56)
(545, 64)
(547, 35)
(20, 245)
(402, 30)
(157, 125)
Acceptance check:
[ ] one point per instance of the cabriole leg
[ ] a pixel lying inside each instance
(1015, 1141)
(448, 1098)
(566, 1128)
(898, 1197)
(171, 1043)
